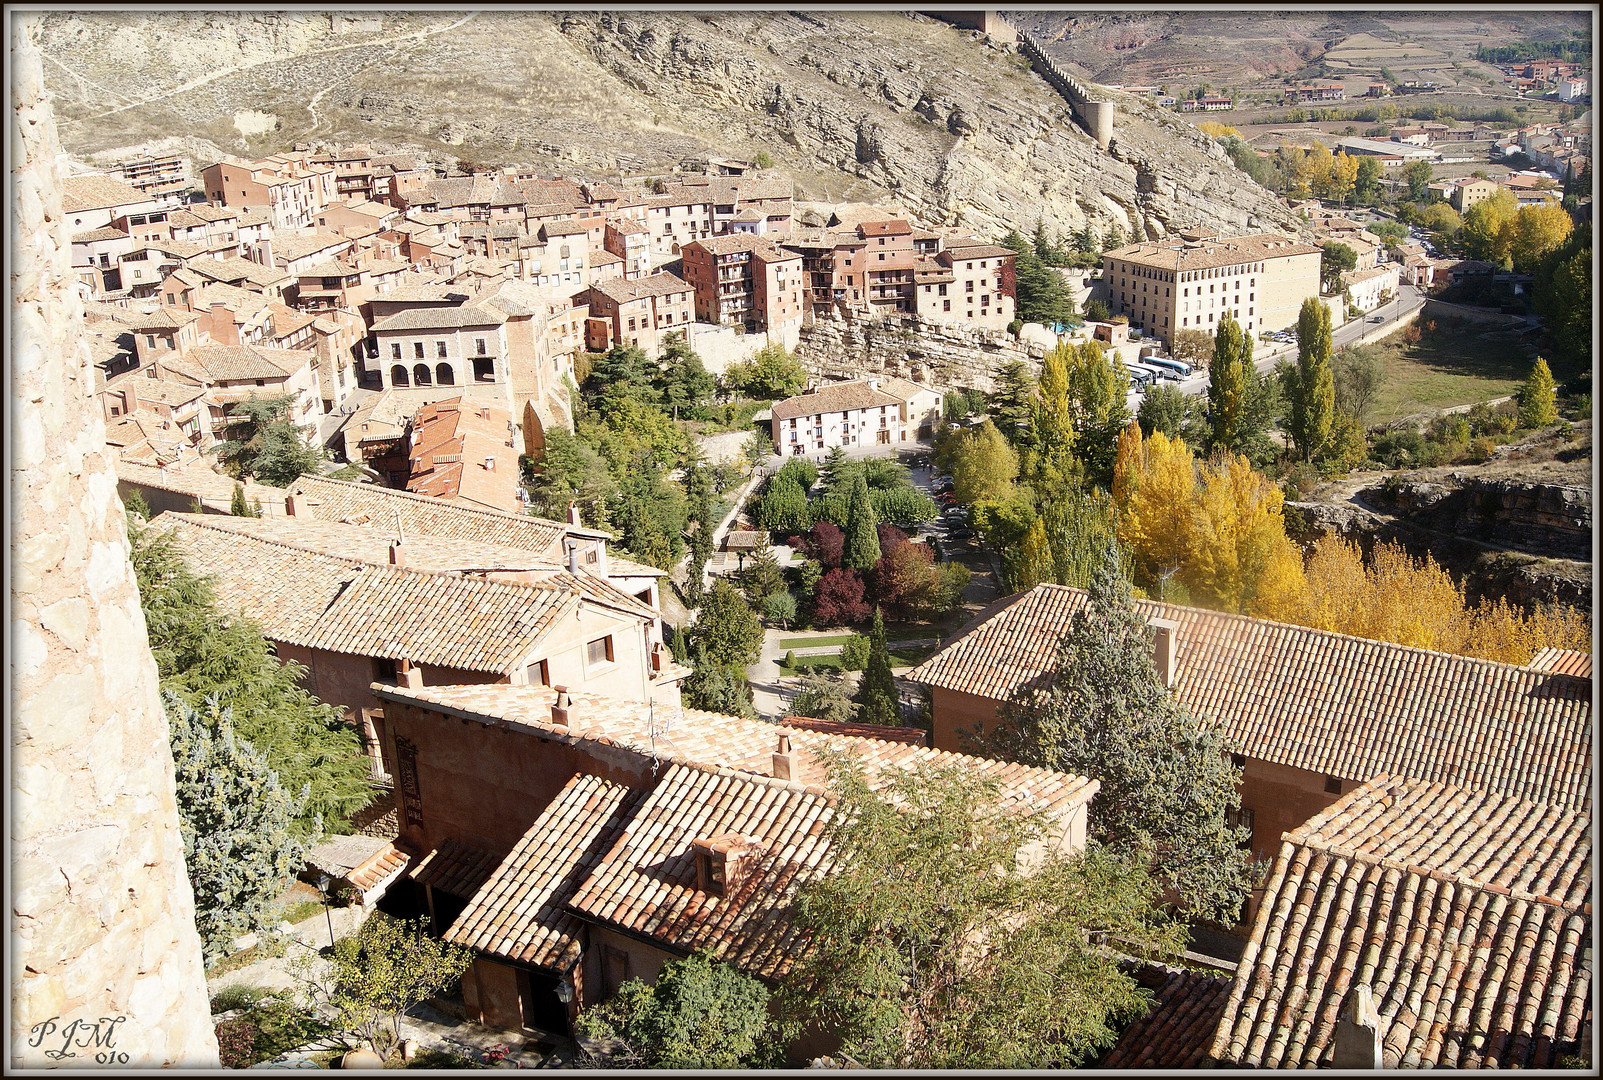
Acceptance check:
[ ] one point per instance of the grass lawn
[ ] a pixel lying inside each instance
(1453, 366)
(909, 657)
(813, 642)
(815, 662)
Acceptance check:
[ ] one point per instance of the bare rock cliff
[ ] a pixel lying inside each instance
(855, 105)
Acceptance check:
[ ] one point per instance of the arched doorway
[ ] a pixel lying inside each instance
(443, 375)
(421, 375)
(398, 376)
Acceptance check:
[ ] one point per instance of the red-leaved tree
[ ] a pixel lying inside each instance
(826, 543)
(839, 600)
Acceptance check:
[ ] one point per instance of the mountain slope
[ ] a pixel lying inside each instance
(854, 105)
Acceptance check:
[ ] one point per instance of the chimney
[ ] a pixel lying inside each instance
(264, 252)
(289, 505)
(1357, 1043)
(784, 760)
(397, 556)
(408, 674)
(722, 862)
(573, 558)
(489, 463)
(573, 515)
(560, 708)
(873, 384)
(1166, 650)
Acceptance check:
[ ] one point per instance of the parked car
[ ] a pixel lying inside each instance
(964, 534)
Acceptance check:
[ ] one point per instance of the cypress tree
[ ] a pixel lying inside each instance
(1313, 391)
(1227, 381)
(876, 698)
(862, 532)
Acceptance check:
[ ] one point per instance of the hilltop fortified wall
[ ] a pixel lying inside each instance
(1094, 114)
(106, 966)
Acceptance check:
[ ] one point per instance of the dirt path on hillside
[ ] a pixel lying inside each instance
(417, 35)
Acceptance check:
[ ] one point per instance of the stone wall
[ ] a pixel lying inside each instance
(106, 961)
(933, 354)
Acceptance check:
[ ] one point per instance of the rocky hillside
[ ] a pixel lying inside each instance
(854, 105)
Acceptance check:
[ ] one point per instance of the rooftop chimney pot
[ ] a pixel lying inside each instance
(1166, 650)
(560, 708)
(784, 759)
(397, 556)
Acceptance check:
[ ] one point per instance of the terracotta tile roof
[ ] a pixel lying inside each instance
(562, 228)
(386, 865)
(1319, 701)
(230, 362)
(835, 397)
(1178, 1030)
(646, 883)
(105, 232)
(437, 318)
(604, 258)
(419, 515)
(974, 249)
(911, 735)
(196, 481)
(322, 602)
(730, 243)
(520, 911)
(455, 868)
(1211, 252)
(623, 290)
(235, 269)
(693, 736)
(80, 193)
(1466, 913)
(451, 451)
(884, 228)
(1562, 662)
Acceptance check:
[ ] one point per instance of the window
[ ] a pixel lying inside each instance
(483, 370)
(968, 286)
(417, 349)
(537, 674)
(150, 341)
(1333, 785)
(946, 305)
(882, 254)
(599, 651)
(384, 671)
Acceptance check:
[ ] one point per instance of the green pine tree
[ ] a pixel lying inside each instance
(833, 468)
(202, 655)
(1167, 780)
(862, 532)
(876, 698)
(265, 444)
(238, 824)
(717, 687)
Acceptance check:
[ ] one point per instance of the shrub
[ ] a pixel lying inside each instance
(1481, 449)
(854, 654)
(1302, 480)
(790, 659)
(1399, 449)
(236, 1043)
(242, 996)
(1566, 430)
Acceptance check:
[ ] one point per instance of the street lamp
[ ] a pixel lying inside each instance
(322, 890)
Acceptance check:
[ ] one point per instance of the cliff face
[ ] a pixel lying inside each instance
(106, 964)
(854, 105)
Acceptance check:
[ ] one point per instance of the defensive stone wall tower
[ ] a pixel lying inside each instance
(106, 962)
(1094, 114)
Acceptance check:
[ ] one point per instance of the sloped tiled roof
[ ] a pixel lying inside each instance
(1319, 701)
(1466, 913)
(419, 515)
(835, 397)
(455, 868)
(623, 290)
(230, 362)
(196, 481)
(440, 318)
(1562, 662)
(691, 735)
(80, 193)
(1178, 1030)
(322, 602)
(646, 884)
(520, 911)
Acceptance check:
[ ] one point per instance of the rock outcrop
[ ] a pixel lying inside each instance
(106, 963)
(854, 105)
(937, 355)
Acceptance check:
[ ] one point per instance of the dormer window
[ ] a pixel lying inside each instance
(722, 862)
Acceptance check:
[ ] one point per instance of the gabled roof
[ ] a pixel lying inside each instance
(79, 193)
(440, 318)
(419, 515)
(694, 736)
(1466, 913)
(520, 911)
(623, 290)
(1562, 662)
(836, 397)
(196, 481)
(1178, 1030)
(646, 883)
(455, 868)
(230, 362)
(1315, 700)
(321, 602)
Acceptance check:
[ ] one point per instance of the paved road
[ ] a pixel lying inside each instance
(1408, 301)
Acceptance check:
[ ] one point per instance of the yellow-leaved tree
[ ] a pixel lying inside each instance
(1157, 516)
